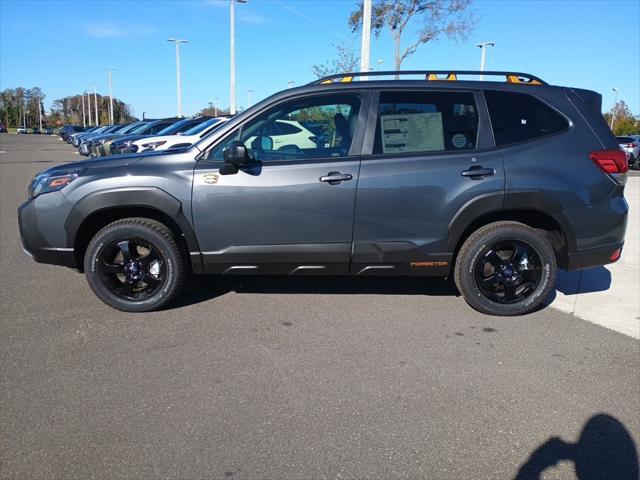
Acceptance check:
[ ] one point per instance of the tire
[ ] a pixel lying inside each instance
(134, 265)
(495, 276)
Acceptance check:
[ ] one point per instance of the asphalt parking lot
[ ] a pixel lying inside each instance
(295, 378)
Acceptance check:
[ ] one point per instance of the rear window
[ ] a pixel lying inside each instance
(516, 117)
(625, 139)
(425, 121)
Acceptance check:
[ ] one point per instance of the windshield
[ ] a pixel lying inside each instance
(201, 127)
(128, 128)
(139, 128)
(177, 127)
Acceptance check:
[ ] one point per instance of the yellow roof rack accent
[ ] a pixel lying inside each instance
(450, 76)
(346, 79)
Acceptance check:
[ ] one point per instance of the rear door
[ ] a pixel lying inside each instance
(426, 159)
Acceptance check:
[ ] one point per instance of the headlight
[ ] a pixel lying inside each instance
(50, 182)
(153, 145)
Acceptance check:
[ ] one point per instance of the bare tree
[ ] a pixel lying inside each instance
(452, 19)
(346, 61)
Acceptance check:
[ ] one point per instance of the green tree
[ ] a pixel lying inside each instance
(624, 122)
(452, 19)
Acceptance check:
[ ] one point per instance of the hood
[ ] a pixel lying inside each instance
(99, 162)
(107, 136)
(131, 138)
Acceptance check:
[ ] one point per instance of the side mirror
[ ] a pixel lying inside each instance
(235, 154)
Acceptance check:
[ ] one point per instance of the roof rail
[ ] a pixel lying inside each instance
(434, 75)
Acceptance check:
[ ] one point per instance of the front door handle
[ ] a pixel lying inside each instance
(478, 171)
(336, 178)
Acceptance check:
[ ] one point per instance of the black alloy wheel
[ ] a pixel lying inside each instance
(131, 268)
(508, 271)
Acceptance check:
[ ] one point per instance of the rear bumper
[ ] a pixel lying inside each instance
(35, 245)
(593, 257)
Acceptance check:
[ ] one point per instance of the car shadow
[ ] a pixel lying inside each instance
(605, 450)
(205, 287)
(597, 279)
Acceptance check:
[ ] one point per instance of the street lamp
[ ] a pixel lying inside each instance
(232, 79)
(95, 99)
(290, 83)
(215, 106)
(109, 71)
(615, 107)
(177, 41)
(88, 106)
(483, 46)
(84, 119)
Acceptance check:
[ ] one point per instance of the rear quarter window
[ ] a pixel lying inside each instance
(517, 117)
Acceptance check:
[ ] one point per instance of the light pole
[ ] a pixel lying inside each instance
(615, 107)
(483, 46)
(95, 100)
(215, 106)
(290, 83)
(109, 71)
(84, 121)
(366, 37)
(88, 106)
(40, 113)
(232, 79)
(177, 41)
(249, 93)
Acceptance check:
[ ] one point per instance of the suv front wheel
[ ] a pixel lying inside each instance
(134, 265)
(506, 268)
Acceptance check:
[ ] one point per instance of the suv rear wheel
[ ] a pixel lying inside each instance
(134, 265)
(505, 268)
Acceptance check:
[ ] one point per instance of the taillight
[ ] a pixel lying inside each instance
(610, 161)
(629, 145)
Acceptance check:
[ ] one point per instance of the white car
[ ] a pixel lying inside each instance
(21, 129)
(288, 133)
(185, 139)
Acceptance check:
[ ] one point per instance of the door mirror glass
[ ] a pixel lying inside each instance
(266, 143)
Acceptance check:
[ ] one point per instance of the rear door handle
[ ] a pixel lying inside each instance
(478, 171)
(335, 178)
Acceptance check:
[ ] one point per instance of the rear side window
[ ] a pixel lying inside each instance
(425, 121)
(516, 117)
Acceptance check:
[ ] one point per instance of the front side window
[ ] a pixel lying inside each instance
(425, 121)
(308, 128)
(516, 117)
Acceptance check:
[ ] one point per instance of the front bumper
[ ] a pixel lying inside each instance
(34, 242)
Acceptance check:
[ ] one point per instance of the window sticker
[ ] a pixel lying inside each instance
(412, 132)
(459, 140)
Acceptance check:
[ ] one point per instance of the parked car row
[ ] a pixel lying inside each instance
(140, 136)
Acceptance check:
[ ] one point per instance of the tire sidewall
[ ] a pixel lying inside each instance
(119, 232)
(533, 241)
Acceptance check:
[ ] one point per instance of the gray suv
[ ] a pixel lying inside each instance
(495, 183)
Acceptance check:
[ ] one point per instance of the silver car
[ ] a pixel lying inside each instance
(631, 146)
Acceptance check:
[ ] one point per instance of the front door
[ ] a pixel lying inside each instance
(291, 213)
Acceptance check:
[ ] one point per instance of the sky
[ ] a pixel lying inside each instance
(64, 46)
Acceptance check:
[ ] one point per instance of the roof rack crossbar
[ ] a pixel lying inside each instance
(434, 75)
